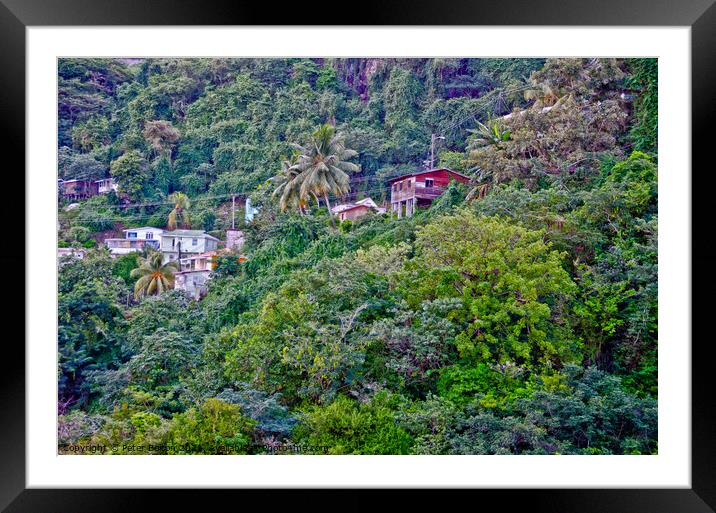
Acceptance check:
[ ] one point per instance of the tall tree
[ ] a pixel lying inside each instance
(154, 277)
(161, 135)
(130, 172)
(324, 165)
(288, 188)
(179, 216)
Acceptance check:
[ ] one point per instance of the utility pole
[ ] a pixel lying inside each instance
(233, 211)
(433, 138)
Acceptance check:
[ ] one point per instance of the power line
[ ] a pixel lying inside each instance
(225, 196)
(85, 218)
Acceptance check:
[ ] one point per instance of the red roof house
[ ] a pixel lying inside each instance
(408, 192)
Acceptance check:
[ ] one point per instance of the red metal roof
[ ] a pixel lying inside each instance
(418, 173)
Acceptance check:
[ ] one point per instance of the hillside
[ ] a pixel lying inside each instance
(515, 313)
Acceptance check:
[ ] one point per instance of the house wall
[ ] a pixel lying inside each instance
(234, 239)
(124, 246)
(353, 213)
(106, 186)
(79, 189)
(413, 191)
(170, 246)
(153, 234)
(192, 282)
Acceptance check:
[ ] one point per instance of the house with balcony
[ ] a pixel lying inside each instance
(77, 189)
(136, 239)
(195, 273)
(180, 244)
(419, 190)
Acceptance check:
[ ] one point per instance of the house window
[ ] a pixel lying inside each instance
(149, 235)
(194, 242)
(131, 235)
(428, 182)
(401, 186)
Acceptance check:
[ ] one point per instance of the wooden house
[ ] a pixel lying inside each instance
(79, 189)
(416, 190)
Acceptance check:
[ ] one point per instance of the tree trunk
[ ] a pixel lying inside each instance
(328, 205)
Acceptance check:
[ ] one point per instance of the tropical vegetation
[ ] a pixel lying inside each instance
(517, 314)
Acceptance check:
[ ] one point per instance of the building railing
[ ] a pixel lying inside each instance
(130, 243)
(430, 192)
(417, 192)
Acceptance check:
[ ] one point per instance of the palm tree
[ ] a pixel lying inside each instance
(179, 216)
(324, 166)
(288, 189)
(479, 184)
(485, 135)
(154, 277)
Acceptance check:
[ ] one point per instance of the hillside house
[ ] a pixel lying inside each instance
(78, 189)
(417, 190)
(195, 272)
(135, 239)
(352, 211)
(75, 252)
(184, 243)
(106, 185)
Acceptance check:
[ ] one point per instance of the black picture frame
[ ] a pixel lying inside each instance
(700, 15)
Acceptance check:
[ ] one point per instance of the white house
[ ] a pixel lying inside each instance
(179, 244)
(195, 272)
(75, 252)
(106, 185)
(136, 239)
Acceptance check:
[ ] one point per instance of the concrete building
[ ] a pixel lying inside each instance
(184, 243)
(195, 273)
(416, 190)
(135, 239)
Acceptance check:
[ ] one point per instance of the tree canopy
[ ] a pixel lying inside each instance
(517, 314)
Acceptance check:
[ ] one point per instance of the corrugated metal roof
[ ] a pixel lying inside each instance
(418, 173)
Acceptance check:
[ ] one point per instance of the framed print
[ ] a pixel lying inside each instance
(452, 250)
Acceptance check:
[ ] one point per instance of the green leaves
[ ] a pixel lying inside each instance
(511, 283)
(347, 427)
(454, 331)
(130, 172)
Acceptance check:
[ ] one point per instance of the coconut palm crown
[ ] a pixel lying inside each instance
(323, 166)
(154, 277)
(179, 216)
(288, 188)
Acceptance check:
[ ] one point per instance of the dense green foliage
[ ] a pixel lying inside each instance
(516, 315)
